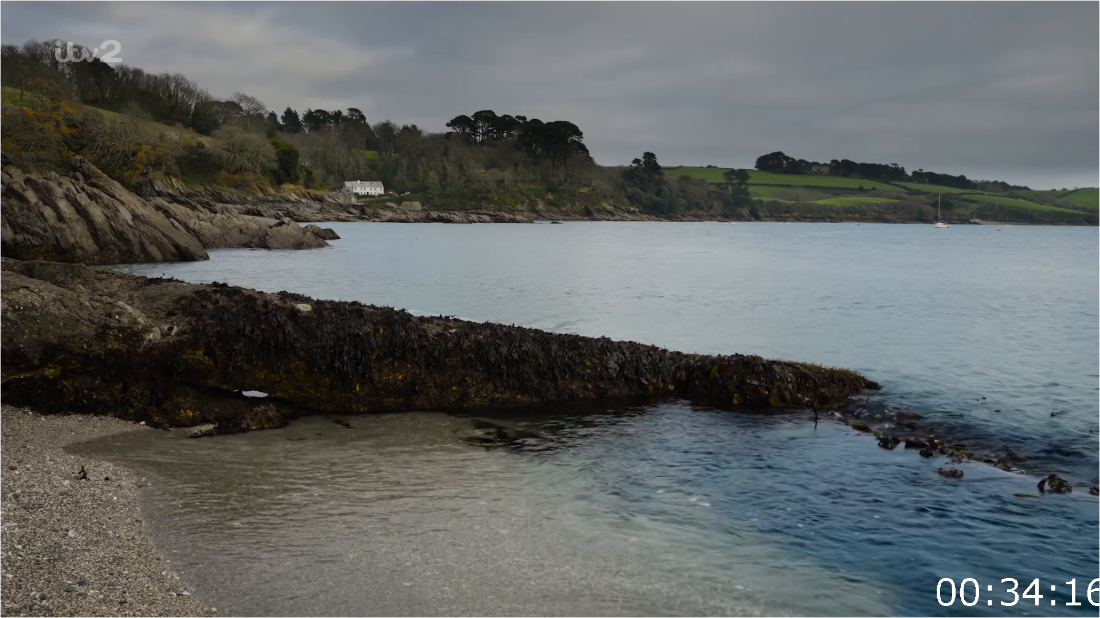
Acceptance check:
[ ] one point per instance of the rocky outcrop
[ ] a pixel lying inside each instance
(173, 353)
(87, 217)
(401, 214)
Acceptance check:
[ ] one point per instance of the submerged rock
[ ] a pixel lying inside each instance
(82, 339)
(888, 442)
(859, 426)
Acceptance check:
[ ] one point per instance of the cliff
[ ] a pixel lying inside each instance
(177, 354)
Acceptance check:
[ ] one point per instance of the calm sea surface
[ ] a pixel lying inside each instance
(667, 509)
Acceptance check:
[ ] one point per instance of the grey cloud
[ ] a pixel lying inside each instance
(992, 90)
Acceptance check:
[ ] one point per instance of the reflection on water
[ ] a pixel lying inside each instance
(662, 510)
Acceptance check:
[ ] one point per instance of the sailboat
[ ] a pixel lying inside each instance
(939, 220)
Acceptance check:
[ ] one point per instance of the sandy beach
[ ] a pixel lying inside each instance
(75, 546)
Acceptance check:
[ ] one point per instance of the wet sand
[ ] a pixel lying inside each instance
(72, 546)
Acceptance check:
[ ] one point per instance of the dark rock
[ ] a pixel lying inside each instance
(265, 416)
(82, 475)
(323, 233)
(927, 452)
(953, 473)
(859, 426)
(1054, 484)
(1025, 495)
(1094, 490)
(915, 443)
(67, 346)
(889, 442)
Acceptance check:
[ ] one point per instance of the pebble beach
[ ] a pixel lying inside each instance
(76, 546)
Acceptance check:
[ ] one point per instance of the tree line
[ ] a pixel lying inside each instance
(167, 125)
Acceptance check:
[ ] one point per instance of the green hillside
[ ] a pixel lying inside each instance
(854, 201)
(840, 191)
(923, 188)
(1085, 198)
(1011, 201)
(756, 177)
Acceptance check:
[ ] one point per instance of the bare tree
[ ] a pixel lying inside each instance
(251, 108)
(244, 152)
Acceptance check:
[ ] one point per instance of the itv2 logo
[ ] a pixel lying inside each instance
(83, 54)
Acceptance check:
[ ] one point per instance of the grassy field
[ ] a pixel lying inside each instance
(789, 194)
(15, 96)
(1032, 193)
(804, 180)
(1011, 201)
(1086, 198)
(714, 174)
(853, 201)
(838, 191)
(917, 186)
(709, 174)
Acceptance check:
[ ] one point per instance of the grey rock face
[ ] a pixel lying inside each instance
(94, 221)
(89, 218)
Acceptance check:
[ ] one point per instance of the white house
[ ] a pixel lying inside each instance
(363, 187)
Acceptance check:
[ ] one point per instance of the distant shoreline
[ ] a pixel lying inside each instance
(456, 217)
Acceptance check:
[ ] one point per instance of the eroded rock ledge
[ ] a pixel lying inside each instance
(86, 217)
(173, 353)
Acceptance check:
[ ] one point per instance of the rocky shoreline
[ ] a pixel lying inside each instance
(75, 544)
(88, 218)
(79, 339)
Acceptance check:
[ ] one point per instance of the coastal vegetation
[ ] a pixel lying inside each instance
(142, 128)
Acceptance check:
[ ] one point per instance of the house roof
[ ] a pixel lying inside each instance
(374, 184)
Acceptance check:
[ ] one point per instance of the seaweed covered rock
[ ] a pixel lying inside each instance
(174, 353)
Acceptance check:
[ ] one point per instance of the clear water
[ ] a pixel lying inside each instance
(668, 509)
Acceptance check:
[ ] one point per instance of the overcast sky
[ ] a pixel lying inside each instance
(990, 90)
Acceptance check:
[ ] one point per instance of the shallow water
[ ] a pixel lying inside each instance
(667, 509)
